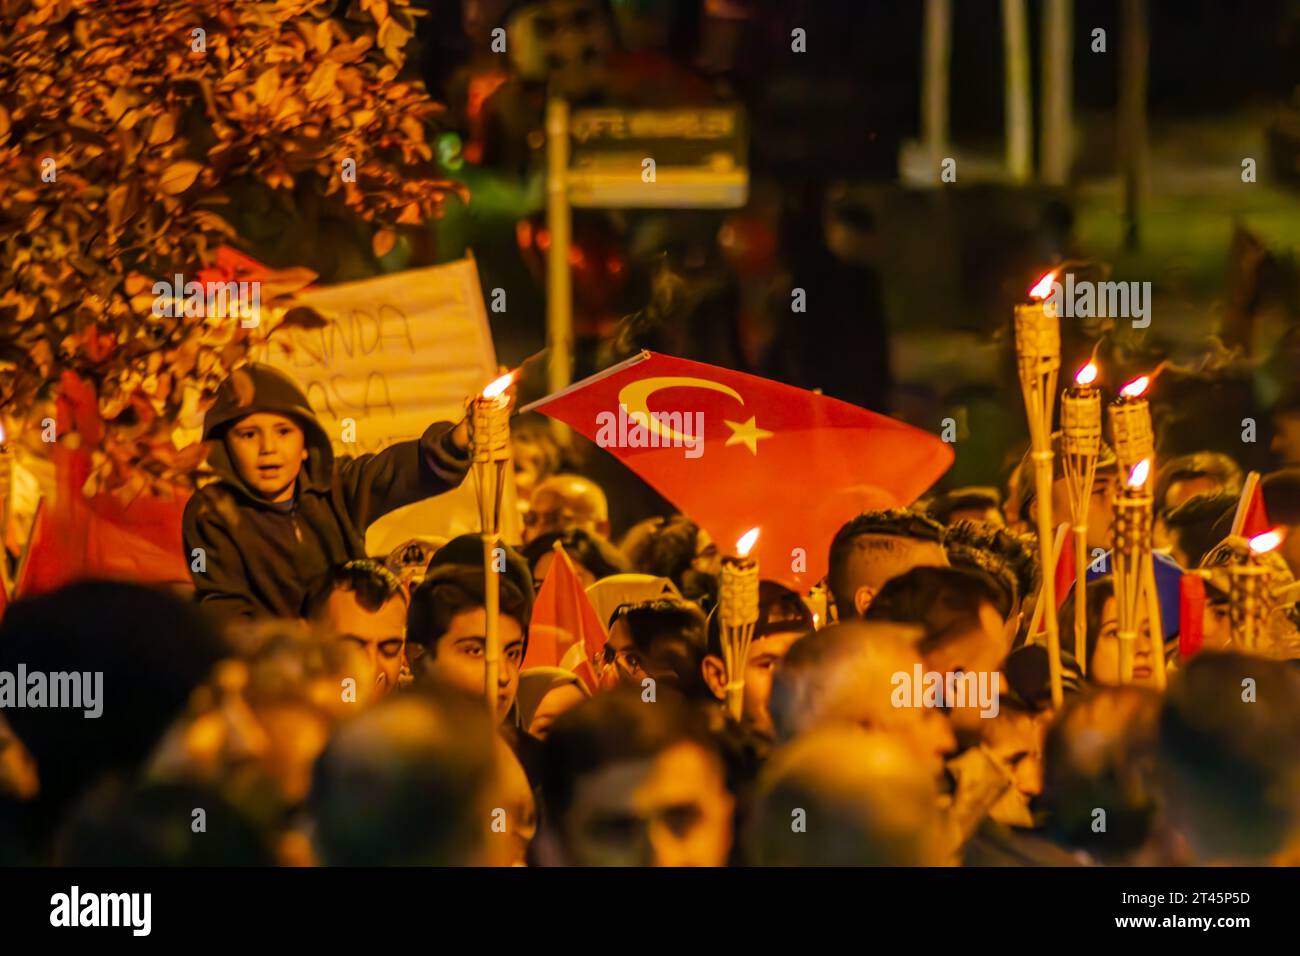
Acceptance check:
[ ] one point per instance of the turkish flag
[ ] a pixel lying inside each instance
(563, 619)
(734, 451)
(1251, 519)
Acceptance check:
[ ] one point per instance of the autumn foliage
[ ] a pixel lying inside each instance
(128, 131)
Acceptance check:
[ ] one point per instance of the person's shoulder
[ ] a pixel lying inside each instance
(213, 502)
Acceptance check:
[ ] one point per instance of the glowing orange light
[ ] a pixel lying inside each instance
(2, 434)
(1043, 287)
(1086, 375)
(1138, 476)
(1266, 542)
(746, 542)
(1135, 388)
(499, 386)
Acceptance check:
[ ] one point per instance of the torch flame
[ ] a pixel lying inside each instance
(1266, 542)
(2, 434)
(499, 386)
(1138, 476)
(1043, 287)
(1086, 375)
(746, 542)
(1136, 388)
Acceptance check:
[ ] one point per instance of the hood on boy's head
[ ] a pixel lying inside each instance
(257, 388)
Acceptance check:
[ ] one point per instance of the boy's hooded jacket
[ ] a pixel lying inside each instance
(261, 558)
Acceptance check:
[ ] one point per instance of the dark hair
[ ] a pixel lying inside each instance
(1090, 762)
(649, 622)
(152, 825)
(941, 508)
(1202, 464)
(894, 522)
(1006, 557)
(668, 550)
(1097, 592)
(944, 602)
(590, 551)
(611, 728)
(1241, 760)
(368, 579)
(454, 590)
(153, 650)
(779, 610)
(404, 783)
(1196, 521)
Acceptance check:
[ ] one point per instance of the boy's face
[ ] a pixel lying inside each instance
(268, 451)
(458, 659)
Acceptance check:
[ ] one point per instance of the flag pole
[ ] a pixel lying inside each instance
(559, 280)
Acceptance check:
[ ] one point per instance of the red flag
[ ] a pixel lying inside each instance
(1191, 615)
(1065, 568)
(734, 451)
(1251, 518)
(563, 619)
(74, 536)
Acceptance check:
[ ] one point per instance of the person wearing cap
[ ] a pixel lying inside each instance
(1100, 505)
(283, 510)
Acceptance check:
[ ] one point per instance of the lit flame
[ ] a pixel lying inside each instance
(746, 542)
(1135, 388)
(2, 435)
(1086, 375)
(1138, 476)
(1266, 542)
(499, 386)
(1043, 288)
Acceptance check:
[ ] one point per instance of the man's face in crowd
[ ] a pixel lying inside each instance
(378, 636)
(268, 451)
(1101, 507)
(765, 653)
(981, 650)
(563, 502)
(1016, 739)
(672, 809)
(1104, 668)
(1216, 625)
(1286, 438)
(459, 660)
(665, 660)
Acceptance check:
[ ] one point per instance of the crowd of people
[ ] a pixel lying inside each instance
(310, 704)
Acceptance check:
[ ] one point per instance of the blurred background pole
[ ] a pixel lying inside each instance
(559, 281)
(1056, 126)
(1134, 48)
(934, 82)
(1015, 41)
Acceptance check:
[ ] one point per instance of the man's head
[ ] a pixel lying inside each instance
(411, 782)
(1101, 502)
(861, 797)
(364, 604)
(593, 557)
(446, 627)
(1194, 526)
(561, 502)
(664, 639)
(625, 782)
(1228, 763)
(956, 612)
(846, 674)
(783, 618)
(980, 505)
(876, 546)
(1188, 476)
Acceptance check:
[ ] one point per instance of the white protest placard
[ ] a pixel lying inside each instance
(399, 352)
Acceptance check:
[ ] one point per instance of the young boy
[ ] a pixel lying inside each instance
(283, 511)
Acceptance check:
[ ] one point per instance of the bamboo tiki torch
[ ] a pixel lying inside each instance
(1131, 540)
(1134, 441)
(1080, 447)
(1250, 591)
(489, 455)
(1038, 354)
(738, 613)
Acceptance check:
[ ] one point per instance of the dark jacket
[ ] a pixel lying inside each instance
(260, 558)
